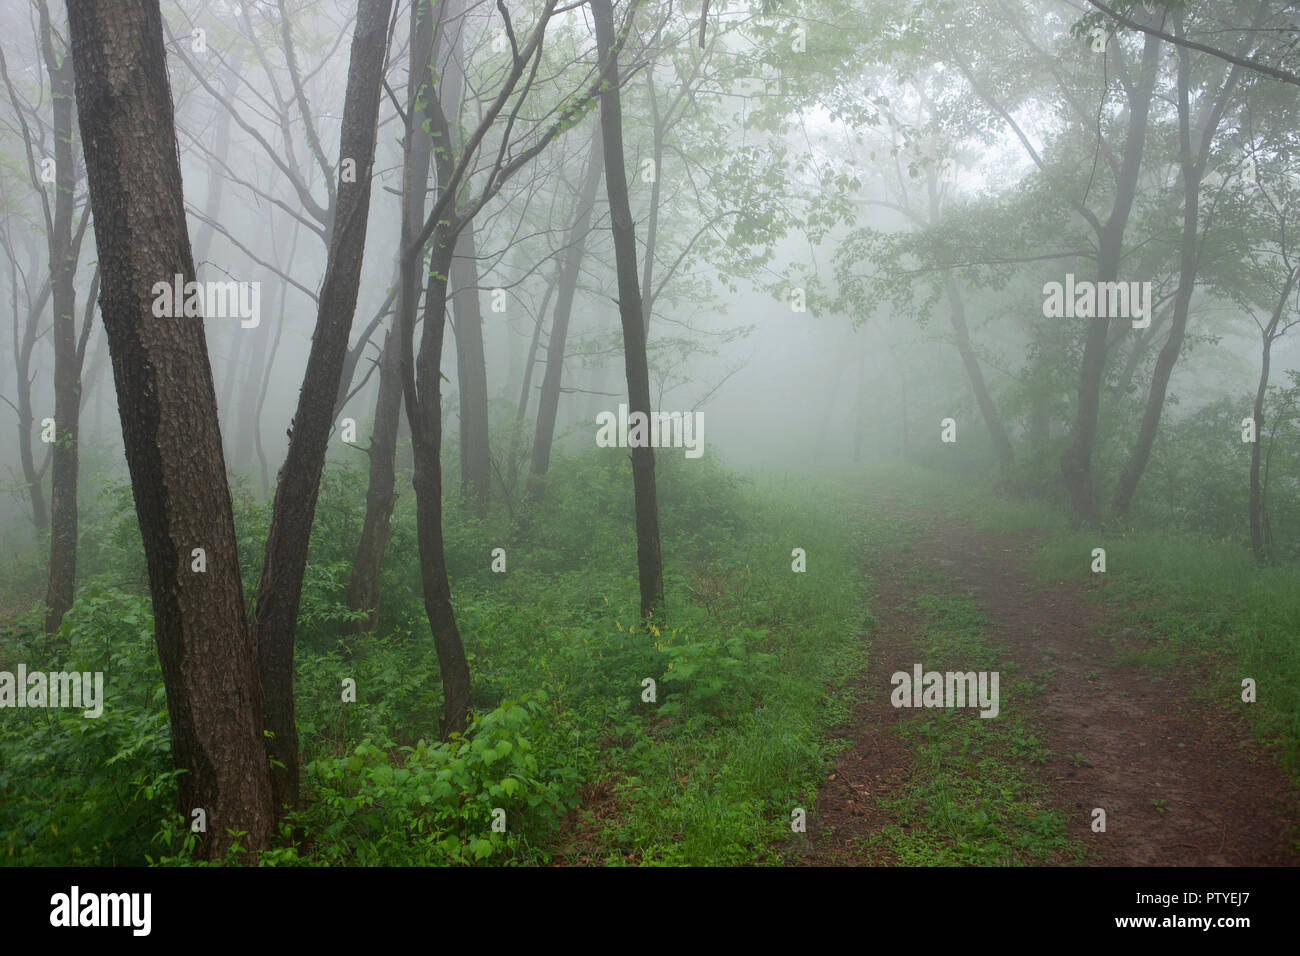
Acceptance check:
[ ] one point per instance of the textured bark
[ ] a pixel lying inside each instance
(1076, 460)
(649, 559)
(169, 421)
(549, 400)
(296, 490)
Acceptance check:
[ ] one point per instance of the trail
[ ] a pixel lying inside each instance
(1181, 783)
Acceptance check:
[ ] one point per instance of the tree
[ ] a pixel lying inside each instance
(278, 594)
(169, 422)
(649, 559)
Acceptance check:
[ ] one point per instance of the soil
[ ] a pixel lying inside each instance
(1182, 781)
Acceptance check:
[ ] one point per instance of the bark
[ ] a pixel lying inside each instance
(1076, 460)
(649, 559)
(169, 421)
(296, 490)
(549, 400)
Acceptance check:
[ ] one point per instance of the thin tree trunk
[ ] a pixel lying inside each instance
(549, 400)
(421, 376)
(363, 582)
(1076, 460)
(65, 251)
(988, 409)
(1192, 162)
(530, 364)
(249, 391)
(649, 559)
(1257, 538)
(426, 440)
(169, 422)
(471, 373)
(296, 490)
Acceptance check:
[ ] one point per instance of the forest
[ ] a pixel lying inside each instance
(357, 357)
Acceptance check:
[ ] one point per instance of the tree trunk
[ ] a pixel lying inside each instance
(1192, 162)
(1258, 544)
(526, 386)
(649, 559)
(250, 388)
(169, 422)
(1076, 460)
(363, 583)
(471, 373)
(989, 410)
(64, 252)
(421, 376)
(32, 475)
(549, 400)
(425, 415)
(299, 482)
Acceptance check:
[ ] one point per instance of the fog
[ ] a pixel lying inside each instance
(1040, 254)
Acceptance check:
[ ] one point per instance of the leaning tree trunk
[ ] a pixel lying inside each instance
(296, 490)
(169, 422)
(649, 559)
(988, 409)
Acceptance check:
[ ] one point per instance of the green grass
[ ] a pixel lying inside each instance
(974, 797)
(752, 662)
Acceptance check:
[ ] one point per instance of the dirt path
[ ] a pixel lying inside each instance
(1181, 785)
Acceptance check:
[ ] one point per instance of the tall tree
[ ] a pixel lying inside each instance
(649, 559)
(1195, 144)
(549, 400)
(169, 422)
(280, 590)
